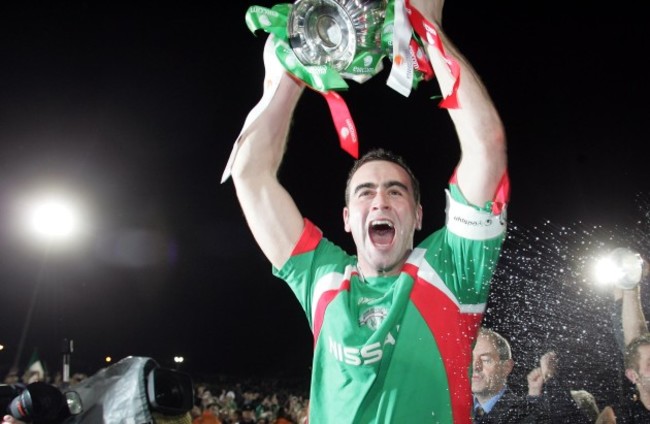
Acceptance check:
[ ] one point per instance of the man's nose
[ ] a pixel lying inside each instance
(381, 200)
(477, 365)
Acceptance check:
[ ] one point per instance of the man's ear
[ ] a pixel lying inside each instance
(631, 375)
(418, 217)
(346, 219)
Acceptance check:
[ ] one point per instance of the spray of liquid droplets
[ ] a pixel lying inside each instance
(544, 297)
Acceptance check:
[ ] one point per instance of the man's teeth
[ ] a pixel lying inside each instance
(382, 222)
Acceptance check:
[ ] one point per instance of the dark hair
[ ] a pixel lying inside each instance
(385, 155)
(632, 351)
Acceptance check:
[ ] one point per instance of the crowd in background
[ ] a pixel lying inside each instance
(228, 400)
(217, 400)
(259, 402)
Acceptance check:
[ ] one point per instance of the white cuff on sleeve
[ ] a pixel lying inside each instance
(467, 222)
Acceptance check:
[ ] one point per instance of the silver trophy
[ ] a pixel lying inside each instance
(628, 268)
(334, 32)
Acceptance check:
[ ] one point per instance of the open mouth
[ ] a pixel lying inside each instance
(381, 232)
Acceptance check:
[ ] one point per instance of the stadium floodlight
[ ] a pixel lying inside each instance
(54, 219)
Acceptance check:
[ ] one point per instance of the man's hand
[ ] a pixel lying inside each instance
(8, 419)
(535, 382)
(430, 9)
(607, 416)
(548, 364)
(540, 375)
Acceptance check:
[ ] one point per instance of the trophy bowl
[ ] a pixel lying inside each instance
(629, 266)
(334, 32)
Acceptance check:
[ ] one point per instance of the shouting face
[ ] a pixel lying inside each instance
(382, 216)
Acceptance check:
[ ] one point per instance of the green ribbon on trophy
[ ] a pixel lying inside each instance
(365, 63)
(274, 21)
(325, 42)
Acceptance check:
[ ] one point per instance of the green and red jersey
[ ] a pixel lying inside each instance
(397, 349)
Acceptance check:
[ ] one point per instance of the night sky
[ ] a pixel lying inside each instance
(134, 109)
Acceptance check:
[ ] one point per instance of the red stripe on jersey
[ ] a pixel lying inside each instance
(501, 196)
(322, 304)
(309, 239)
(455, 334)
(411, 270)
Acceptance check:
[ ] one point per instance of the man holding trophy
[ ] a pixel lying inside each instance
(627, 269)
(393, 325)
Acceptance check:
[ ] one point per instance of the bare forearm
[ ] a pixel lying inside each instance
(264, 141)
(634, 323)
(274, 219)
(480, 130)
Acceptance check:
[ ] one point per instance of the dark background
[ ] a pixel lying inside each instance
(134, 110)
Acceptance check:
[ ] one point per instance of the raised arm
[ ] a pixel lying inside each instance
(632, 317)
(271, 213)
(477, 122)
(634, 323)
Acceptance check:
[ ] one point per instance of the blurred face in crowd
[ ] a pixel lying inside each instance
(641, 375)
(489, 372)
(215, 409)
(248, 416)
(206, 398)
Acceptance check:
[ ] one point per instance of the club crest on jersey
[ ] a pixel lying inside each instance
(373, 317)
